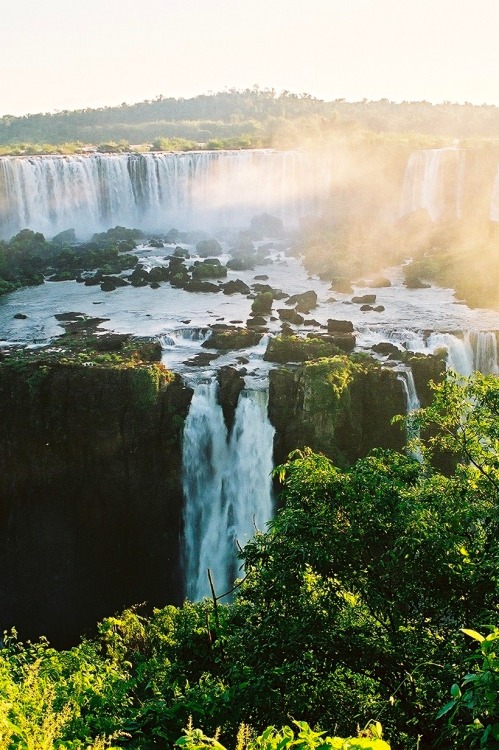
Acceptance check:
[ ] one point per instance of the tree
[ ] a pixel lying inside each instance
(353, 599)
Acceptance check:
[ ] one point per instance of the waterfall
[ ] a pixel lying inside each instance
(227, 485)
(156, 191)
(406, 377)
(473, 350)
(434, 180)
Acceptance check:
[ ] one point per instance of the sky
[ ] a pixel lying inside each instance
(58, 55)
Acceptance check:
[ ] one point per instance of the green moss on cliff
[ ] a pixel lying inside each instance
(296, 349)
(326, 384)
(341, 406)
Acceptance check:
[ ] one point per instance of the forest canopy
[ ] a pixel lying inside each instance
(263, 116)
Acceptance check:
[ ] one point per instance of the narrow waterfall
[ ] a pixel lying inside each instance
(434, 180)
(406, 377)
(157, 191)
(227, 485)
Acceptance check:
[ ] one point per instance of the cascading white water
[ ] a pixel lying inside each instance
(434, 180)
(156, 191)
(227, 485)
(406, 377)
(473, 351)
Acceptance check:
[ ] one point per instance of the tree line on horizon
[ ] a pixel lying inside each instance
(263, 116)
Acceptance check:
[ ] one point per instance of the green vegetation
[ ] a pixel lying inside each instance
(242, 119)
(28, 257)
(349, 614)
(279, 739)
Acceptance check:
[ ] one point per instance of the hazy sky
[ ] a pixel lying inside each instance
(57, 54)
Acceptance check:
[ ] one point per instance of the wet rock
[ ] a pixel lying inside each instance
(292, 348)
(107, 285)
(342, 285)
(256, 322)
(262, 304)
(378, 283)
(364, 299)
(344, 341)
(379, 308)
(230, 385)
(413, 282)
(139, 282)
(201, 360)
(112, 342)
(241, 263)
(386, 348)
(172, 237)
(207, 248)
(261, 277)
(366, 308)
(209, 269)
(159, 273)
(117, 281)
(20, 316)
(62, 276)
(201, 286)
(236, 286)
(180, 252)
(267, 225)
(67, 237)
(155, 243)
(339, 326)
(290, 316)
(304, 302)
(228, 339)
(155, 285)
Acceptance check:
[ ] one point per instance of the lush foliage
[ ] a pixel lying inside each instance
(349, 613)
(249, 113)
(280, 739)
(28, 257)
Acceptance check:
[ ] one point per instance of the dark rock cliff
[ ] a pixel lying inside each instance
(90, 493)
(336, 406)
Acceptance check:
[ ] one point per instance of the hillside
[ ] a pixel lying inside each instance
(265, 117)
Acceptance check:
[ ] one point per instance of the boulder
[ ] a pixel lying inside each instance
(339, 326)
(235, 287)
(241, 263)
(172, 237)
(256, 322)
(159, 273)
(262, 304)
(290, 316)
(227, 338)
(364, 299)
(388, 349)
(413, 282)
(304, 302)
(378, 283)
(207, 248)
(267, 225)
(197, 285)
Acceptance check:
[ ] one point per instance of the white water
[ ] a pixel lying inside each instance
(434, 180)
(227, 485)
(466, 353)
(157, 191)
(406, 377)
